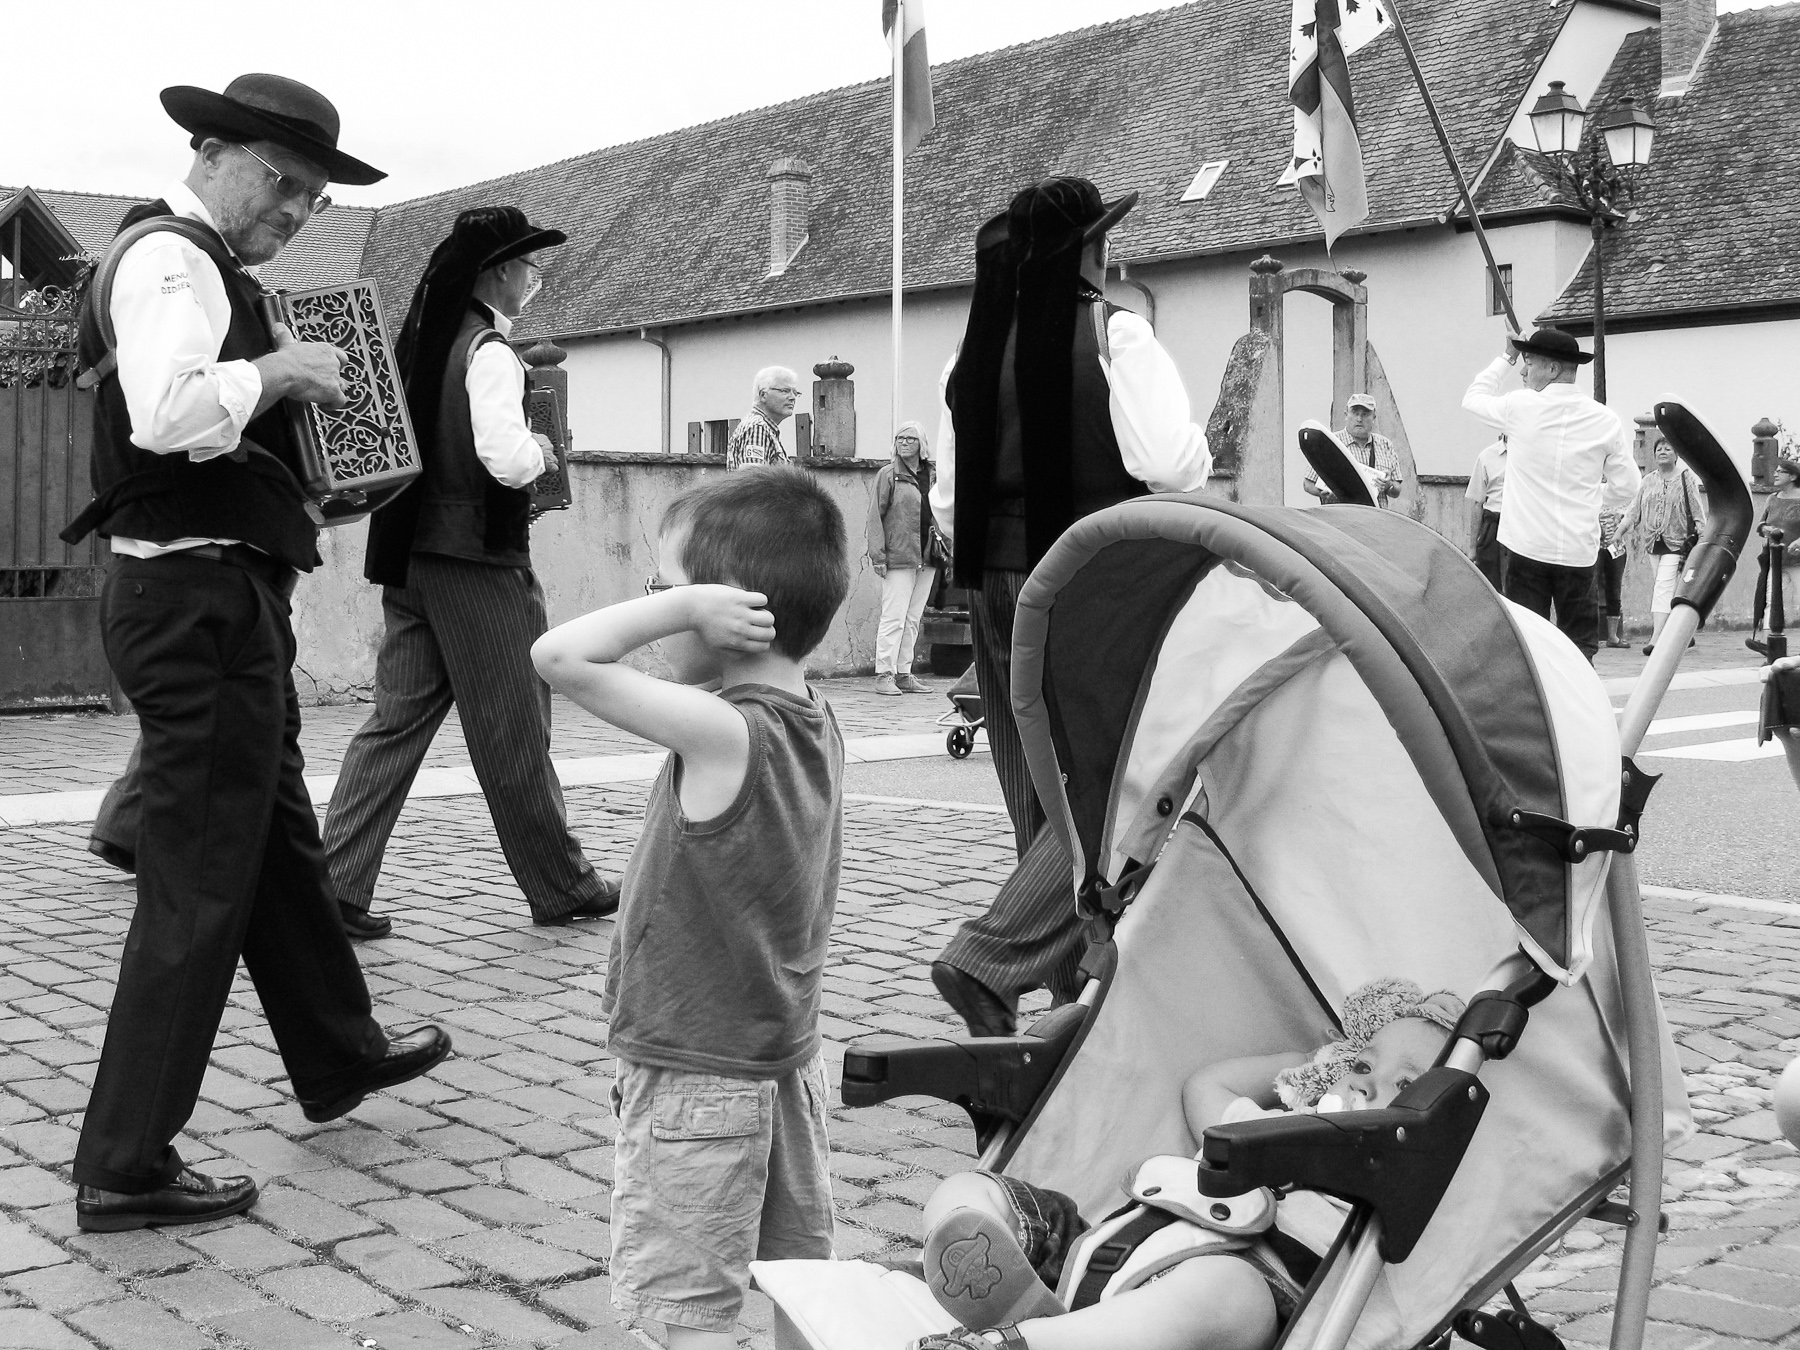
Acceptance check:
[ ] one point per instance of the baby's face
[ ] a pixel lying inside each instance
(1395, 1055)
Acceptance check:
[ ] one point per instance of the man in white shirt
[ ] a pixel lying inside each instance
(462, 604)
(1057, 404)
(1568, 458)
(196, 486)
(1486, 491)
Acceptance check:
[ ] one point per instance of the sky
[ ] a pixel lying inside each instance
(442, 93)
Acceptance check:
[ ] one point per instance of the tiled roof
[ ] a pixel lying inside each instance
(1521, 181)
(1715, 226)
(677, 226)
(328, 250)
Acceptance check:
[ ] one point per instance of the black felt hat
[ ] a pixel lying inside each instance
(270, 108)
(1556, 344)
(1056, 212)
(491, 235)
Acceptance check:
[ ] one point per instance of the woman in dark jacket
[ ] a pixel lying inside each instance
(899, 542)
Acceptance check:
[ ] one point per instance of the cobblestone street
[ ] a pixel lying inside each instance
(470, 1207)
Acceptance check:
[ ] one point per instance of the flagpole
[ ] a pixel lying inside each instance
(1437, 125)
(898, 39)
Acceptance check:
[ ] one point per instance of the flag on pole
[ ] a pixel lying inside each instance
(1327, 164)
(915, 66)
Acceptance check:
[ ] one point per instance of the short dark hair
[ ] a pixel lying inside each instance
(771, 529)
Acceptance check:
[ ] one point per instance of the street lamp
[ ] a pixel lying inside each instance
(1601, 183)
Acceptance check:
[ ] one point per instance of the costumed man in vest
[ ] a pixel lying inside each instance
(195, 476)
(1059, 404)
(462, 605)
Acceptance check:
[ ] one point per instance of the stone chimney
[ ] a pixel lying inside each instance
(1686, 25)
(790, 210)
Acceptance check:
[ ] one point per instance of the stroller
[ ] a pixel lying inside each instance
(965, 717)
(1292, 751)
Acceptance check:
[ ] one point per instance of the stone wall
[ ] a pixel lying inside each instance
(596, 553)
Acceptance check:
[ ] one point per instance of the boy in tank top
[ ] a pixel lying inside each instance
(713, 982)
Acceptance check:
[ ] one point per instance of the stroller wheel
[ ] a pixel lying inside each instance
(959, 742)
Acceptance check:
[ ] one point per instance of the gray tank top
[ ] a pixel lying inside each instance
(719, 951)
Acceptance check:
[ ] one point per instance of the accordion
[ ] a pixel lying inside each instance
(550, 491)
(360, 456)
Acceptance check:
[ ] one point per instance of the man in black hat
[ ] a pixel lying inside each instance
(1568, 459)
(462, 605)
(1059, 404)
(196, 485)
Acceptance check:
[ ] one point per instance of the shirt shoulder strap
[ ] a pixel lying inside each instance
(476, 343)
(101, 286)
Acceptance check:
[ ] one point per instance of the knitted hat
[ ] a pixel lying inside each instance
(1367, 1010)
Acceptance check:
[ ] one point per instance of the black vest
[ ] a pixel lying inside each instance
(1017, 535)
(252, 494)
(464, 512)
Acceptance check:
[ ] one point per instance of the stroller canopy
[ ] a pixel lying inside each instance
(1152, 629)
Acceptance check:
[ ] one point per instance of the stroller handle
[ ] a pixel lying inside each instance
(1714, 558)
(1334, 467)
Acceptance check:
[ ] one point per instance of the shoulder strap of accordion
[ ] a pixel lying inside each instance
(480, 340)
(102, 285)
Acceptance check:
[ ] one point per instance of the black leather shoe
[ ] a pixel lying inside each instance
(984, 1010)
(602, 906)
(123, 859)
(193, 1197)
(1757, 645)
(419, 1051)
(362, 925)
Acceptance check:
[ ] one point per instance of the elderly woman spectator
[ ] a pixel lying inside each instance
(1781, 513)
(1664, 521)
(905, 556)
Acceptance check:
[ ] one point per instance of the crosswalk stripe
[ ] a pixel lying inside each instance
(1725, 752)
(1669, 726)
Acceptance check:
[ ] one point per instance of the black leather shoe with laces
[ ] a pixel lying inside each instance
(418, 1051)
(193, 1197)
(602, 906)
(362, 925)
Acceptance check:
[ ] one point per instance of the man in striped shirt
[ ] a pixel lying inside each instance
(757, 439)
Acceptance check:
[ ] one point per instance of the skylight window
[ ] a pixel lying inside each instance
(1204, 180)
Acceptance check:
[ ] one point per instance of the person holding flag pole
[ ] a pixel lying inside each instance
(903, 24)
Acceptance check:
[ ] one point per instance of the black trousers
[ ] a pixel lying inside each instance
(1612, 582)
(229, 864)
(116, 823)
(1031, 936)
(460, 632)
(1487, 547)
(1570, 591)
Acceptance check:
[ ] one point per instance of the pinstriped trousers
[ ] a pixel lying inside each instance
(460, 632)
(1031, 936)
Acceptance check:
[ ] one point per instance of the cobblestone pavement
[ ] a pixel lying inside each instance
(469, 1208)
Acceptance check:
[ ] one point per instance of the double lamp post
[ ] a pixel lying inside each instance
(1601, 182)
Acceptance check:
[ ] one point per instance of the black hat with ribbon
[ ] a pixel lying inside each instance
(490, 235)
(270, 108)
(1555, 344)
(1057, 212)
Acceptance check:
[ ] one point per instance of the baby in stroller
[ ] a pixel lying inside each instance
(996, 1247)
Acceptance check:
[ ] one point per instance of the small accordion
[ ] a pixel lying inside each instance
(360, 456)
(550, 490)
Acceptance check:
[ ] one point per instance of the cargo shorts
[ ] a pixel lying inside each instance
(710, 1173)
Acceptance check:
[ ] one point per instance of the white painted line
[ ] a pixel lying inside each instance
(920, 801)
(1692, 679)
(1669, 726)
(1724, 752)
(1710, 899)
(80, 807)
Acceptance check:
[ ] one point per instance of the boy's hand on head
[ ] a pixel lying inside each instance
(729, 619)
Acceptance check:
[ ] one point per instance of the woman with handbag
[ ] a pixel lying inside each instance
(1664, 521)
(906, 551)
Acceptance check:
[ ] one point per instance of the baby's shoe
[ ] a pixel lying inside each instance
(980, 1276)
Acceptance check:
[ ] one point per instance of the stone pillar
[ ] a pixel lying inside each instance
(833, 411)
(1641, 439)
(1764, 448)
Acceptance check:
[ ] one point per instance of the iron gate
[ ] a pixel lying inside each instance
(50, 653)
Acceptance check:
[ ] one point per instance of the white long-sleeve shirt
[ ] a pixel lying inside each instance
(1159, 444)
(1567, 459)
(170, 313)
(495, 381)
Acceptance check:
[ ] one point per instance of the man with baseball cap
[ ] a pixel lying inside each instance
(1568, 458)
(196, 485)
(452, 555)
(1058, 404)
(1367, 447)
